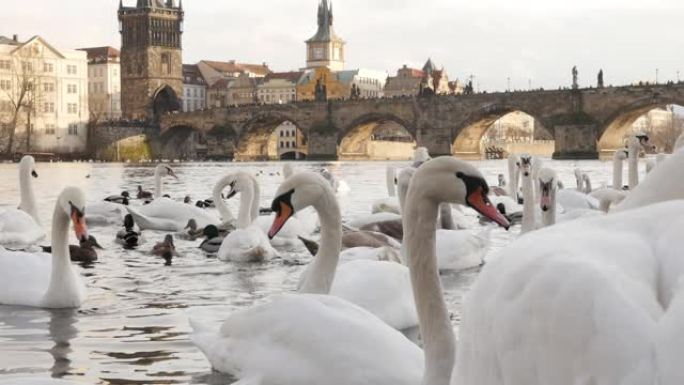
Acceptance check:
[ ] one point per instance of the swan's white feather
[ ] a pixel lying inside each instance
(18, 229)
(246, 245)
(165, 214)
(590, 301)
(310, 339)
(105, 214)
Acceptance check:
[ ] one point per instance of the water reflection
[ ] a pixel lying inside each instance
(62, 331)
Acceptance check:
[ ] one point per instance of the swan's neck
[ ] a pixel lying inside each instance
(549, 216)
(513, 180)
(157, 183)
(402, 190)
(391, 173)
(245, 212)
(254, 211)
(438, 338)
(63, 288)
(587, 185)
(633, 165)
(28, 198)
(446, 217)
(528, 205)
(221, 206)
(321, 272)
(617, 173)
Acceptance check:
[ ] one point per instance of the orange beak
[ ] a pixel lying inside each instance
(281, 218)
(479, 201)
(80, 227)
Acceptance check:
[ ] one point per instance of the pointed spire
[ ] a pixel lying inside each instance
(180, 4)
(120, 4)
(330, 12)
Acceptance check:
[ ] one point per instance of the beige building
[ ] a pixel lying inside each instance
(194, 89)
(291, 142)
(104, 83)
(364, 82)
(217, 94)
(429, 79)
(279, 87)
(325, 48)
(51, 87)
(243, 90)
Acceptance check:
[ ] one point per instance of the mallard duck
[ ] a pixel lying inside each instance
(212, 241)
(142, 194)
(165, 249)
(120, 199)
(128, 237)
(83, 253)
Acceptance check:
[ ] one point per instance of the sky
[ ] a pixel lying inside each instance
(533, 42)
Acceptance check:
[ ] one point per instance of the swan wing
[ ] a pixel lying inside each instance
(382, 288)
(167, 215)
(24, 277)
(18, 229)
(461, 249)
(311, 339)
(581, 302)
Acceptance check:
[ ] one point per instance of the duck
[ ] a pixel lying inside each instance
(84, 252)
(144, 194)
(47, 280)
(247, 243)
(212, 241)
(164, 214)
(128, 237)
(191, 231)
(20, 228)
(345, 335)
(123, 198)
(165, 249)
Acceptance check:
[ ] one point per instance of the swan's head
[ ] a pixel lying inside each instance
(163, 169)
(645, 142)
(621, 154)
(448, 180)
(300, 191)
(237, 182)
(502, 180)
(548, 183)
(420, 156)
(28, 166)
(73, 202)
(526, 165)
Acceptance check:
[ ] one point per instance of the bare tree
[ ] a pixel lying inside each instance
(24, 94)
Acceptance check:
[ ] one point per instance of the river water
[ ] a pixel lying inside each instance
(133, 328)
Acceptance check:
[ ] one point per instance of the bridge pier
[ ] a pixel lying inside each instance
(437, 141)
(576, 141)
(322, 145)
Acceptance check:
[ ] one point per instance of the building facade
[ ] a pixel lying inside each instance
(194, 89)
(428, 80)
(279, 87)
(325, 48)
(363, 83)
(50, 88)
(213, 71)
(291, 142)
(321, 81)
(405, 83)
(104, 83)
(151, 58)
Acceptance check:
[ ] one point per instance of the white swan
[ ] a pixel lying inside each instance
(247, 243)
(513, 176)
(20, 228)
(44, 280)
(591, 301)
(322, 338)
(106, 214)
(548, 186)
(530, 215)
(164, 214)
(664, 183)
(389, 204)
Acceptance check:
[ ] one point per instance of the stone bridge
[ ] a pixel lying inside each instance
(582, 121)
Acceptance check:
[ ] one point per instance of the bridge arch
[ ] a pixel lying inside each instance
(377, 136)
(181, 141)
(165, 100)
(260, 139)
(619, 124)
(469, 134)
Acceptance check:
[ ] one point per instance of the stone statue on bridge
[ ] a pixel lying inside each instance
(574, 78)
(321, 92)
(600, 79)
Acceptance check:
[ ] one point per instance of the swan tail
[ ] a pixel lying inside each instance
(145, 223)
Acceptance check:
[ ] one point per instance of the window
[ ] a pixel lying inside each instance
(49, 107)
(73, 129)
(71, 88)
(72, 69)
(26, 66)
(115, 72)
(5, 65)
(49, 129)
(48, 67)
(187, 92)
(49, 87)
(5, 84)
(287, 144)
(72, 108)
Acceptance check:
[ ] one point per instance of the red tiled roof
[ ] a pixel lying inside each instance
(233, 66)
